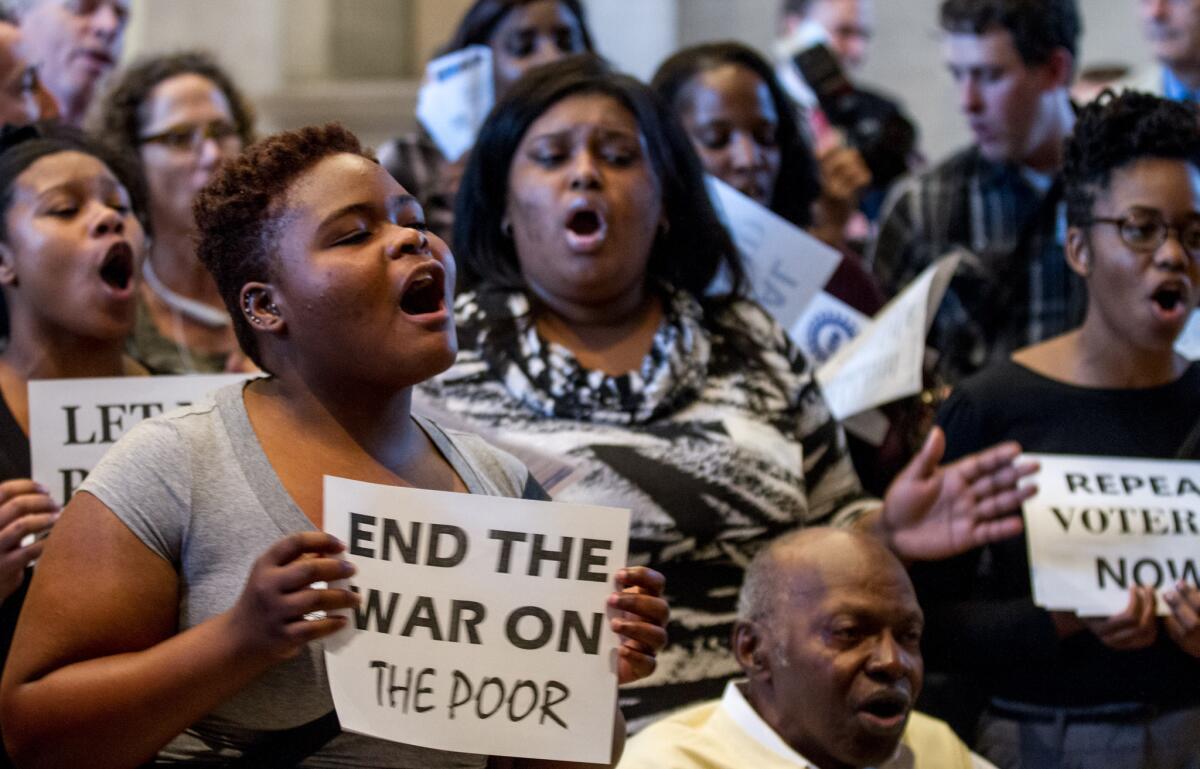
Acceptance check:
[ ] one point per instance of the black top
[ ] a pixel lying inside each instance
(14, 463)
(982, 625)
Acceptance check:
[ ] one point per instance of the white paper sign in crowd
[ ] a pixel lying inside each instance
(455, 98)
(72, 422)
(825, 326)
(884, 363)
(786, 266)
(483, 626)
(1100, 525)
(1188, 343)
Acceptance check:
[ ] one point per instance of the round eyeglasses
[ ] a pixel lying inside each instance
(191, 137)
(1146, 229)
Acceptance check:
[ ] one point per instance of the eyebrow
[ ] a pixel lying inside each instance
(394, 203)
(604, 131)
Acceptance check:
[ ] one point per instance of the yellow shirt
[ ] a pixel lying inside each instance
(728, 734)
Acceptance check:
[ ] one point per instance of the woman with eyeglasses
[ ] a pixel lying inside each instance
(1056, 686)
(182, 115)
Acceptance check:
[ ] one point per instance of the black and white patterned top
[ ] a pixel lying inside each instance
(714, 456)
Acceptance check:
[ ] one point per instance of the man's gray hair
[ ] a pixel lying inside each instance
(764, 586)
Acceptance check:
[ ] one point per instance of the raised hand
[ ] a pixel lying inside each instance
(933, 512)
(269, 615)
(25, 508)
(641, 621)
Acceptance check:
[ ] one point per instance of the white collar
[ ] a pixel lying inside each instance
(743, 714)
(739, 709)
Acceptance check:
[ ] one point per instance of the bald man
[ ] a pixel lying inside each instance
(829, 638)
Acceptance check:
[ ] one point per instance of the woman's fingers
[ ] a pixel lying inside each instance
(302, 572)
(12, 535)
(643, 577)
(293, 546)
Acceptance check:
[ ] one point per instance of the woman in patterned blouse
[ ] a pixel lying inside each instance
(587, 243)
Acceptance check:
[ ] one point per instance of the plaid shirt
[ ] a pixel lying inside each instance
(1013, 287)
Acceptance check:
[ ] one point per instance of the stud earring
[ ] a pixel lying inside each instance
(248, 308)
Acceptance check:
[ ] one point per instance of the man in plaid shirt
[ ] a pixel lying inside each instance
(999, 200)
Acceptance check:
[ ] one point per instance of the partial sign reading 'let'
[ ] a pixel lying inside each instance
(483, 624)
(72, 422)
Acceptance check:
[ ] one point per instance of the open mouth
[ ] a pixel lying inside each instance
(424, 295)
(886, 711)
(586, 230)
(1171, 300)
(584, 223)
(117, 268)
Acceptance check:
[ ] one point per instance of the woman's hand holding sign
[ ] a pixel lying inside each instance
(269, 617)
(1134, 628)
(641, 621)
(1183, 624)
(25, 508)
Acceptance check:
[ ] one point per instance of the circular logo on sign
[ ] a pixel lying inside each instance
(826, 334)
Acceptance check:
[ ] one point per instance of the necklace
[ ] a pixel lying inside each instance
(205, 315)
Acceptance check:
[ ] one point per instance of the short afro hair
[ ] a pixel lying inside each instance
(1038, 27)
(1114, 131)
(123, 111)
(237, 212)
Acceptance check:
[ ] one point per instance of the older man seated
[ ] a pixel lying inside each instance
(829, 637)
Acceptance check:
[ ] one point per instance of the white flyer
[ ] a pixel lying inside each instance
(455, 98)
(826, 325)
(1188, 343)
(484, 624)
(785, 265)
(884, 362)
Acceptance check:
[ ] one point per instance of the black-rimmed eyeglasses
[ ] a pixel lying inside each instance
(1145, 230)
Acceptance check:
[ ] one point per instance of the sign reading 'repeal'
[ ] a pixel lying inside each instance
(1099, 526)
(72, 422)
(483, 626)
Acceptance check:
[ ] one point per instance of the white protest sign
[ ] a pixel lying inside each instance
(826, 325)
(455, 98)
(1188, 343)
(785, 265)
(884, 362)
(1099, 526)
(72, 422)
(483, 626)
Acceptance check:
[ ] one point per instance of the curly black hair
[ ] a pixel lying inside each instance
(798, 184)
(1112, 132)
(1038, 27)
(237, 213)
(123, 109)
